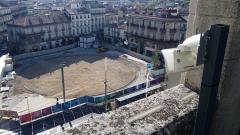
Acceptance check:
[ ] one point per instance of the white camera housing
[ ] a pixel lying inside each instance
(184, 57)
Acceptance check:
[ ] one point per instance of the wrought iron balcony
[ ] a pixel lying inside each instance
(173, 30)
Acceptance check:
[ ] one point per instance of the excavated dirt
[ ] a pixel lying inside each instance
(84, 75)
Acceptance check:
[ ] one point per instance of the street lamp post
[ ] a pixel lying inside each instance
(105, 84)
(149, 68)
(29, 112)
(27, 105)
(63, 85)
(147, 80)
(63, 90)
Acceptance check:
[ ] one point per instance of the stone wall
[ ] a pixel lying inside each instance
(134, 54)
(181, 126)
(204, 13)
(168, 112)
(40, 53)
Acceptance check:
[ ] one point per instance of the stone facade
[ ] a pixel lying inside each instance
(45, 31)
(111, 18)
(147, 34)
(98, 17)
(114, 33)
(94, 11)
(33, 33)
(5, 17)
(80, 21)
(18, 11)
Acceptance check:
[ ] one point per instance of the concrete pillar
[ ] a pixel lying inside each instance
(204, 13)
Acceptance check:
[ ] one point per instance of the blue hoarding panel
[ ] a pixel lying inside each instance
(57, 108)
(126, 91)
(108, 97)
(141, 86)
(99, 99)
(90, 99)
(85, 99)
(66, 105)
(81, 100)
(86, 109)
(130, 90)
(120, 93)
(74, 102)
(152, 82)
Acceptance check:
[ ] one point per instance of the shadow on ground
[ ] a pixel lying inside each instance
(35, 67)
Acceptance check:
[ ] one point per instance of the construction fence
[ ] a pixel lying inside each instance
(84, 100)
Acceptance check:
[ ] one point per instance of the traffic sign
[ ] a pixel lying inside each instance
(149, 66)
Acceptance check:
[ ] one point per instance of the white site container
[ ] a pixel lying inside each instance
(8, 67)
(8, 60)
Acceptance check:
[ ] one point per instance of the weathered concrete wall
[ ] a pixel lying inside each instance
(169, 112)
(43, 52)
(140, 56)
(208, 12)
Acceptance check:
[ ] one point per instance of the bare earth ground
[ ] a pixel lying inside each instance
(84, 75)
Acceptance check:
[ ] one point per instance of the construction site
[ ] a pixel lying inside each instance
(85, 71)
(84, 75)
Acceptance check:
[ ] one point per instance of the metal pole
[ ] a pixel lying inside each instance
(63, 85)
(214, 55)
(30, 114)
(105, 84)
(28, 105)
(147, 83)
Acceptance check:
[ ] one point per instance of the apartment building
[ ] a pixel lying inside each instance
(5, 17)
(147, 34)
(80, 21)
(114, 33)
(39, 32)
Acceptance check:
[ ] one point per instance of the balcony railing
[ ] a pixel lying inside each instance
(163, 30)
(151, 28)
(173, 30)
(183, 29)
(133, 25)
